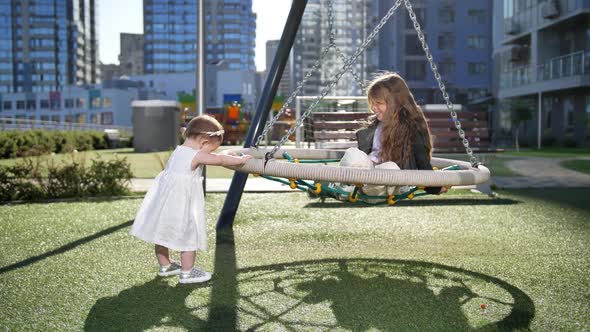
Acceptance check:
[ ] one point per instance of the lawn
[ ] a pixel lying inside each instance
(293, 264)
(578, 165)
(143, 165)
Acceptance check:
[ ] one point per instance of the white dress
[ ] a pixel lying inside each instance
(173, 211)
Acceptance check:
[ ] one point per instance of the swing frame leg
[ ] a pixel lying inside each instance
(236, 188)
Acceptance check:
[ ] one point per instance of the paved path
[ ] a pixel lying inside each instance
(542, 173)
(534, 173)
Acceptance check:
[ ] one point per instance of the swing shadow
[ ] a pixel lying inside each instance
(418, 203)
(65, 248)
(355, 294)
(367, 294)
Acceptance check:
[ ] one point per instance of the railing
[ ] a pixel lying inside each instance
(26, 124)
(573, 64)
(563, 66)
(527, 18)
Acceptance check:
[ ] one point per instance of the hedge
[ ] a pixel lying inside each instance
(16, 143)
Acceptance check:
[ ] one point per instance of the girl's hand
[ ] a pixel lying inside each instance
(245, 158)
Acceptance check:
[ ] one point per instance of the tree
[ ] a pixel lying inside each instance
(521, 110)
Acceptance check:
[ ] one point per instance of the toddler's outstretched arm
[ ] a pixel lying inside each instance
(204, 158)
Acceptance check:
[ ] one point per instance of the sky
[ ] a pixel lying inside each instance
(116, 16)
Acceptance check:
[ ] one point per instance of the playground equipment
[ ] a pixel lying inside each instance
(266, 164)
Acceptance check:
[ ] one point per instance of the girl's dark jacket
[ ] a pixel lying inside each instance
(420, 159)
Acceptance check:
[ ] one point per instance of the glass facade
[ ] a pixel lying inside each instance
(47, 44)
(170, 29)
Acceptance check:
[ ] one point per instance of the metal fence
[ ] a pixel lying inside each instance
(27, 124)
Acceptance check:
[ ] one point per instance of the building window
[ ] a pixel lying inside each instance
(7, 105)
(446, 15)
(44, 104)
(56, 118)
(416, 70)
(420, 15)
(568, 108)
(476, 42)
(20, 104)
(80, 103)
(95, 102)
(94, 118)
(69, 103)
(547, 105)
(31, 104)
(413, 45)
(106, 118)
(446, 68)
(446, 41)
(107, 102)
(476, 16)
(476, 68)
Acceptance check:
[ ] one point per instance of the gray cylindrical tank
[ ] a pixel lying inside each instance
(156, 125)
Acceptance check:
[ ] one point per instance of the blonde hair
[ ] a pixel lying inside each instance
(204, 126)
(402, 118)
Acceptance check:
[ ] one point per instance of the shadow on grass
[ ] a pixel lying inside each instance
(157, 304)
(572, 197)
(145, 306)
(417, 202)
(355, 294)
(64, 248)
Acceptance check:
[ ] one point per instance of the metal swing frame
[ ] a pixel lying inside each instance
(474, 172)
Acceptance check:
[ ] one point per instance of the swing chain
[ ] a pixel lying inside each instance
(293, 95)
(473, 159)
(347, 65)
(314, 69)
(332, 43)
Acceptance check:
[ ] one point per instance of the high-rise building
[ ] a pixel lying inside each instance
(542, 64)
(459, 35)
(285, 86)
(170, 30)
(131, 54)
(350, 22)
(47, 44)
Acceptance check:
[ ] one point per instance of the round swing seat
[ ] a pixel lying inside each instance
(279, 167)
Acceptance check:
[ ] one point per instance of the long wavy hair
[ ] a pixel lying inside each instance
(401, 120)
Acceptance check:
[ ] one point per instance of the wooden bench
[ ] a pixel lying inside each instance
(336, 130)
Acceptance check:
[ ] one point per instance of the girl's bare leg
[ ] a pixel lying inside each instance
(163, 255)
(187, 260)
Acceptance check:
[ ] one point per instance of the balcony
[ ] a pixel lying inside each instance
(537, 76)
(511, 26)
(550, 9)
(546, 13)
(564, 66)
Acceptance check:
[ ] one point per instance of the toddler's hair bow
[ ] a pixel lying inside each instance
(214, 133)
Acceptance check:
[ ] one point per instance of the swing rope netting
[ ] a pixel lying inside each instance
(452, 173)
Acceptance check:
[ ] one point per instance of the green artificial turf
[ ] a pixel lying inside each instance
(578, 165)
(295, 264)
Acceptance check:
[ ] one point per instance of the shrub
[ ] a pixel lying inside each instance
(28, 143)
(23, 181)
(109, 177)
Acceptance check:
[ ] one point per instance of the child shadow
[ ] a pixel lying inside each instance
(153, 304)
(381, 303)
